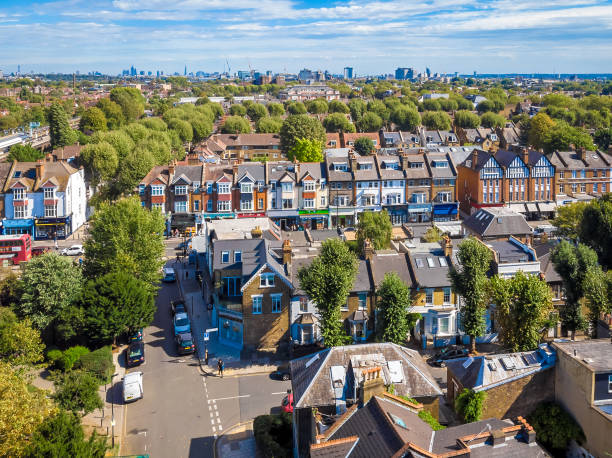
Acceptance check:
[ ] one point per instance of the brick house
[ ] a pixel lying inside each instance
(486, 138)
(341, 197)
(245, 147)
(252, 293)
(443, 180)
(217, 192)
(418, 187)
(515, 383)
(497, 224)
(250, 196)
(393, 188)
(349, 139)
(313, 194)
(283, 196)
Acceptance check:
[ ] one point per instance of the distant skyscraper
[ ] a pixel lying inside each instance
(428, 72)
(158, 73)
(133, 71)
(305, 75)
(185, 70)
(403, 73)
(18, 69)
(348, 73)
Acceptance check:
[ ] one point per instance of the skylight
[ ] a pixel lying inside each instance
(443, 262)
(397, 420)
(430, 262)
(419, 263)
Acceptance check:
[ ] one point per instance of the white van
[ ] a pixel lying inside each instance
(132, 387)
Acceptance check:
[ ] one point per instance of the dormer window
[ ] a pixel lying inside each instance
(180, 190)
(365, 166)
(391, 165)
(18, 194)
(49, 193)
(340, 166)
(441, 164)
(416, 165)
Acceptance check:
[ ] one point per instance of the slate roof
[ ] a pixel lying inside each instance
(362, 279)
(445, 440)
(337, 448)
(594, 353)
(314, 169)
(255, 169)
(398, 263)
(311, 379)
(276, 170)
(360, 174)
(5, 168)
(546, 265)
(338, 175)
(190, 172)
(67, 152)
(215, 172)
(57, 172)
(497, 221)
(511, 135)
(508, 252)
(389, 174)
(570, 160)
(417, 173)
(425, 276)
(439, 172)
(265, 140)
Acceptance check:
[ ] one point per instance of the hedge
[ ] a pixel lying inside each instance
(273, 435)
(99, 363)
(554, 427)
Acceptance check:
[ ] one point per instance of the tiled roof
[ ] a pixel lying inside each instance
(248, 139)
(497, 221)
(428, 269)
(398, 263)
(25, 173)
(255, 169)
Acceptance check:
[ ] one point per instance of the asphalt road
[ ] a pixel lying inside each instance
(183, 411)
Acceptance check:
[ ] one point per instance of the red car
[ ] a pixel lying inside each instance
(40, 250)
(287, 405)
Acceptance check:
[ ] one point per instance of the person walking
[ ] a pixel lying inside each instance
(206, 356)
(220, 365)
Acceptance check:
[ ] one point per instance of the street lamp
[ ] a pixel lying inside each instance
(113, 409)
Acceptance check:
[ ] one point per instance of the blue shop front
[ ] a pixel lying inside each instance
(445, 212)
(18, 226)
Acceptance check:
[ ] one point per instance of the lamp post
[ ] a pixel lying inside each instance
(113, 409)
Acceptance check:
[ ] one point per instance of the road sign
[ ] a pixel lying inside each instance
(206, 336)
(212, 330)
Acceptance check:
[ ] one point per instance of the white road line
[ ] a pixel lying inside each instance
(218, 420)
(214, 430)
(212, 421)
(216, 414)
(232, 397)
(216, 433)
(215, 406)
(220, 428)
(211, 415)
(280, 392)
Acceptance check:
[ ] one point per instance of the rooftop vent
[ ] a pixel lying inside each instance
(508, 363)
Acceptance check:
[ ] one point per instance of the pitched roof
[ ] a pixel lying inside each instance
(255, 169)
(389, 173)
(337, 448)
(497, 221)
(385, 263)
(25, 174)
(546, 265)
(248, 139)
(430, 270)
(314, 169)
(276, 170)
(193, 173)
(363, 280)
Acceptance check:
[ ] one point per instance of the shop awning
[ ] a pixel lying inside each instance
(518, 208)
(450, 209)
(18, 223)
(532, 208)
(547, 206)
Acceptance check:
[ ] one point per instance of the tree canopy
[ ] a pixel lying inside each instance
(405, 118)
(77, 392)
(338, 122)
(376, 227)
(364, 146)
(369, 122)
(268, 125)
(306, 150)
(436, 120)
(59, 129)
(130, 100)
(300, 127)
(393, 305)
(20, 344)
(24, 153)
(236, 125)
(93, 120)
(101, 161)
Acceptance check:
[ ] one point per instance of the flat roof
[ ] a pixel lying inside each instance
(596, 353)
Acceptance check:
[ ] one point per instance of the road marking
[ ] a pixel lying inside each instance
(216, 414)
(215, 405)
(216, 433)
(211, 415)
(280, 392)
(232, 397)
(220, 429)
(218, 420)
(214, 430)
(212, 421)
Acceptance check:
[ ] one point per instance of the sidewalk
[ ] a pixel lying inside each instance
(201, 319)
(237, 442)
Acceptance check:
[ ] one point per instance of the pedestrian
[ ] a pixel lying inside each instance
(178, 259)
(220, 367)
(206, 356)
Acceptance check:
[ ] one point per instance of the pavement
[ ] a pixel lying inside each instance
(237, 442)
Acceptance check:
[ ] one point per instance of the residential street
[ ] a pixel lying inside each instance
(183, 411)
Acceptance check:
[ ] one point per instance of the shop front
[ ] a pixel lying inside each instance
(397, 214)
(251, 215)
(18, 226)
(52, 228)
(286, 219)
(226, 215)
(314, 219)
(183, 223)
(445, 212)
(342, 217)
(419, 213)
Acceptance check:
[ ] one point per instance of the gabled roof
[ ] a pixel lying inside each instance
(25, 174)
(315, 169)
(255, 169)
(497, 221)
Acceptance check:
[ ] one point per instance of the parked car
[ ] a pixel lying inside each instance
(135, 354)
(40, 250)
(177, 306)
(136, 336)
(184, 245)
(169, 275)
(452, 352)
(287, 404)
(74, 250)
(132, 387)
(184, 343)
(181, 323)
(282, 372)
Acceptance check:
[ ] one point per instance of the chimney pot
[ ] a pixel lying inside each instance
(499, 437)
(368, 250)
(286, 252)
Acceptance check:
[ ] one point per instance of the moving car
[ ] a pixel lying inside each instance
(135, 354)
(74, 250)
(287, 404)
(169, 275)
(40, 250)
(178, 306)
(181, 323)
(282, 372)
(132, 387)
(452, 352)
(136, 336)
(184, 343)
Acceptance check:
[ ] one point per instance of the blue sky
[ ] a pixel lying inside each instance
(373, 36)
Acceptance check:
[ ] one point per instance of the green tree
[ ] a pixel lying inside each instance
(328, 281)
(492, 120)
(470, 282)
(364, 146)
(405, 118)
(93, 120)
(539, 127)
(202, 128)
(23, 408)
(603, 138)
(569, 219)
(119, 140)
(300, 127)
(51, 284)
(182, 128)
(336, 106)
(101, 161)
(235, 125)
(562, 136)
(59, 130)
(77, 392)
(306, 150)
(432, 235)
(154, 124)
(126, 237)
(276, 109)
(237, 110)
(20, 344)
(522, 306)
(62, 435)
(268, 125)
(115, 304)
(393, 305)
(112, 113)
(470, 404)
(596, 228)
(296, 108)
(257, 111)
(357, 107)
(431, 105)
(130, 100)
(572, 263)
(369, 122)
(555, 428)
(598, 294)
(24, 153)
(132, 169)
(318, 106)
(379, 107)
(338, 122)
(376, 227)
(486, 106)
(436, 120)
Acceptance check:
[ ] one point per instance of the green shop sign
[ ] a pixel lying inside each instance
(314, 212)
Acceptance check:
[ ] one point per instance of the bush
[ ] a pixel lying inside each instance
(54, 356)
(65, 360)
(99, 363)
(428, 418)
(554, 427)
(469, 405)
(273, 435)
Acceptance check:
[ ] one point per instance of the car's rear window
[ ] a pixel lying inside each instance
(182, 322)
(135, 352)
(186, 343)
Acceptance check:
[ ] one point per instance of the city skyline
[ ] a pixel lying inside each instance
(373, 37)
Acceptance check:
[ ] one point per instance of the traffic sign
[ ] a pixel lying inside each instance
(206, 336)
(212, 330)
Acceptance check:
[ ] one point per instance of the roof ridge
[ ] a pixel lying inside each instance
(316, 375)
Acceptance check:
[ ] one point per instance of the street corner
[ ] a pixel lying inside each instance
(237, 441)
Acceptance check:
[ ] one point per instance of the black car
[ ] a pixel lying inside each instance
(282, 372)
(448, 353)
(135, 354)
(135, 336)
(178, 306)
(184, 343)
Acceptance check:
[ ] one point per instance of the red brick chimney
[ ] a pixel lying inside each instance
(286, 252)
(368, 250)
(475, 159)
(525, 157)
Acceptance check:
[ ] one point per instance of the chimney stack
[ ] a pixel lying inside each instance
(49, 157)
(475, 159)
(368, 250)
(235, 172)
(353, 161)
(286, 252)
(373, 384)
(582, 153)
(404, 161)
(40, 170)
(447, 245)
(525, 158)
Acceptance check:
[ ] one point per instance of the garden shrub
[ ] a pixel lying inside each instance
(554, 427)
(469, 405)
(99, 363)
(428, 418)
(53, 356)
(72, 355)
(273, 435)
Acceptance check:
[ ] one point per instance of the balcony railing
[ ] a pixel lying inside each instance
(227, 305)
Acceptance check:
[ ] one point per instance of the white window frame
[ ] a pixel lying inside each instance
(246, 205)
(141, 189)
(50, 211)
(309, 186)
(309, 203)
(223, 205)
(277, 302)
(429, 294)
(447, 292)
(180, 190)
(323, 201)
(286, 186)
(266, 280)
(20, 212)
(157, 190)
(223, 188)
(209, 205)
(181, 206)
(19, 194)
(49, 193)
(246, 188)
(237, 256)
(609, 383)
(257, 300)
(448, 325)
(287, 203)
(225, 256)
(303, 304)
